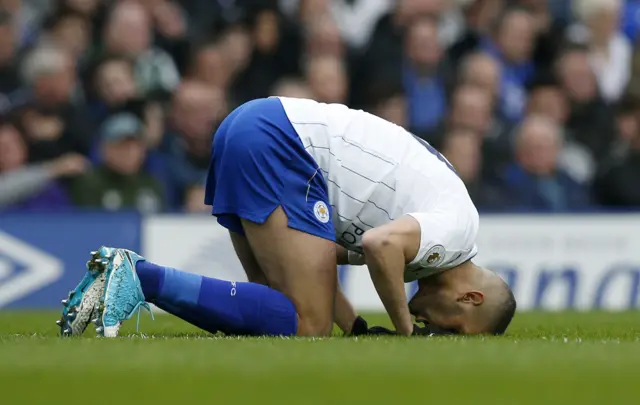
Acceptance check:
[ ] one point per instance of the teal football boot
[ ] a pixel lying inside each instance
(83, 303)
(123, 296)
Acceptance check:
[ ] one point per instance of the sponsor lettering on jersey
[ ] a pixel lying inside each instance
(352, 235)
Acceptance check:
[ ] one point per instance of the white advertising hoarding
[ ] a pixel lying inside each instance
(552, 262)
(565, 262)
(196, 244)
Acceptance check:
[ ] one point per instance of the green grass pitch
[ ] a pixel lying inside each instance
(547, 358)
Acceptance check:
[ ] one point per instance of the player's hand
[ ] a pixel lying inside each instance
(430, 330)
(380, 330)
(361, 328)
(69, 165)
(355, 258)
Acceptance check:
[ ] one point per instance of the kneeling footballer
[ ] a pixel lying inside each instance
(302, 187)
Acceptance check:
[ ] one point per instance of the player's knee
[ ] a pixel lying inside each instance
(314, 325)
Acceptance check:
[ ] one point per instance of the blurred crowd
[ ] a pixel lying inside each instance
(113, 104)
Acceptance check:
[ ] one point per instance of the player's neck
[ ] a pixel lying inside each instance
(466, 271)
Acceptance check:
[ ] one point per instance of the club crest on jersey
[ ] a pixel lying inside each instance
(433, 257)
(321, 211)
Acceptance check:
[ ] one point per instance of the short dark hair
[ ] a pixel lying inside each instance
(543, 80)
(59, 16)
(567, 49)
(627, 105)
(570, 48)
(383, 91)
(499, 20)
(94, 69)
(506, 311)
(6, 19)
(110, 58)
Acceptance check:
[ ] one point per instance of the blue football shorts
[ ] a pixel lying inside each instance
(258, 163)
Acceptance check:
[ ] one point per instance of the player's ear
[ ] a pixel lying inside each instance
(473, 298)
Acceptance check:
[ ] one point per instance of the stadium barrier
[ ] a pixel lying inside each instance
(552, 262)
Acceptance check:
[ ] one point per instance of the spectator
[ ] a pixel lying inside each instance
(548, 100)
(534, 182)
(591, 120)
(218, 62)
(479, 15)
(208, 65)
(307, 10)
(276, 54)
(630, 22)
(383, 56)
(327, 78)
(616, 185)
(54, 124)
(387, 38)
(634, 81)
(114, 86)
(194, 201)
(128, 32)
(627, 120)
(120, 182)
(9, 77)
(236, 47)
(115, 91)
(291, 87)
(87, 8)
(70, 31)
(208, 18)
(451, 22)
(32, 187)
(463, 149)
(423, 84)
(550, 33)
(27, 17)
(323, 38)
(472, 110)
(171, 28)
(482, 71)
(93, 11)
(196, 112)
(561, 11)
(609, 50)
(512, 45)
(154, 116)
(391, 105)
(194, 60)
(356, 18)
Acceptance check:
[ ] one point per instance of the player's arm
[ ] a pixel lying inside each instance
(387, 249)
(344, 314)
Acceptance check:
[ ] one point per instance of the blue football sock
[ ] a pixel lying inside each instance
(151, 278)
(234, 308)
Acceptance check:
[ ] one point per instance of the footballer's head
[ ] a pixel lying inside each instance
(466, 300)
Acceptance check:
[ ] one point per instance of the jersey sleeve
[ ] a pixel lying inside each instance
(446, 240)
